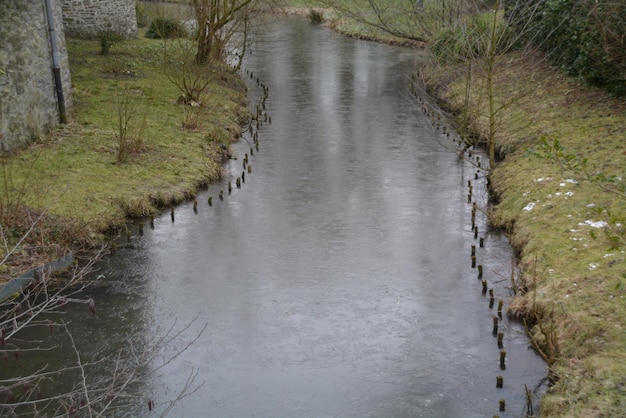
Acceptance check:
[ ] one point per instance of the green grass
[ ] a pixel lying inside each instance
(573, 273)
(396, 14)
(73, 176)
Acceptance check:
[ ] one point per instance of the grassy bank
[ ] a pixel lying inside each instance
(560, 194)
(73, 176)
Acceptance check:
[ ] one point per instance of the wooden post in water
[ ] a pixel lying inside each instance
(172, 213)
(499, 382)
(495, 326)
(480, 271)
(502, 359)
(473, 217)
(210, 200)
(500, 340)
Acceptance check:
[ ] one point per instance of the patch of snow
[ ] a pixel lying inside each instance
(591, 205)
(529, 206)
(593, 266)
(597, 224)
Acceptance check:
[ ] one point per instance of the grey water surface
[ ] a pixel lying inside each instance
(337, 281)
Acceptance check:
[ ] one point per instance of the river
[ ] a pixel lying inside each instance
(337, 280)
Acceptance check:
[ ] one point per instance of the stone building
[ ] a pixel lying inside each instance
(29, 104)
(88, 18)
(35, 83)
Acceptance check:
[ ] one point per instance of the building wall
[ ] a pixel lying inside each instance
(88, 18)
(28, 99)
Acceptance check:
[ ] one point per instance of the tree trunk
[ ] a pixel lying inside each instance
(205, 45)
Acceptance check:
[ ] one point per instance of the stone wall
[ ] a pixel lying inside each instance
(88, 18)
(28, 99)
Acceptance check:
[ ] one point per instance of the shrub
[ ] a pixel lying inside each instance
(108, 38)
(584, 38)
(142, 17)
(165, 28)
(470, 38)
(316, 16)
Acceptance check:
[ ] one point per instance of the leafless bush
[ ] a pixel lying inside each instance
(129, 123)
(36, 308)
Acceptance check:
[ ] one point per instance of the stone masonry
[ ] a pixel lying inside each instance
(88, 18)
(28, 100)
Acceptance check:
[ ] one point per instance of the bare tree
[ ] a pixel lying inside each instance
(471, 34)
(415, 20)
(477, 42)
(214, 18)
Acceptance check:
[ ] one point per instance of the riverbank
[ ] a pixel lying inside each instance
(559, 192)
(71, 183)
